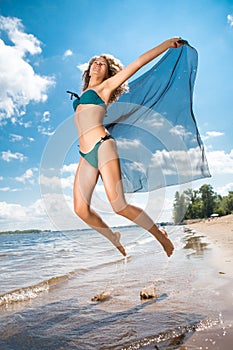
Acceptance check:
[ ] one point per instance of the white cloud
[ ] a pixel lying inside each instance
(67, 53)
(156, 122)
(19, 84)
(82, 67)
(56, 183)
(45, 131)
(128, 144)
(230, 19)
(179, 130)
(211, 134)
(28, 176)
(138, 167)
(23, 42)
(45, 213)
(46, 117)
(16, 216)
(11, 211)
(181, 162)
(220, 162)
(14, 137)
(8, 156)
(5, 189)
(8, 189)
(17, 120)
(184, 162)
(31, 139)
(223, 190)
(70, 168)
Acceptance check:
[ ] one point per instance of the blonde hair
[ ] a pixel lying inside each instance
(114, 66)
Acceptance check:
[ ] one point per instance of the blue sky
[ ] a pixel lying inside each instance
(42, 43)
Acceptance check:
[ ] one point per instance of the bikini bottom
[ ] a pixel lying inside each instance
(92, 156)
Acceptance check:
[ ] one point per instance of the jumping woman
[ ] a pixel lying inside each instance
(104, 81)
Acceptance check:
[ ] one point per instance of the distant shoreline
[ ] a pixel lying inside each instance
(75, 230)
(32, 230)
(193, 223)
(24, 231)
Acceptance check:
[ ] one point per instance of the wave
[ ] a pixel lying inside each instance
(145, 240)
(173, 338)
(23, 294)
(32, 292)
(109, 263)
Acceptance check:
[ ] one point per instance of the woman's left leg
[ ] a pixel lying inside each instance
(109, 167)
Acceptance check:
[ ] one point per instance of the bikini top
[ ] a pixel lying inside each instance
(88, 97)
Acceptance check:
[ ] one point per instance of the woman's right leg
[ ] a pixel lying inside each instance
(84, 184)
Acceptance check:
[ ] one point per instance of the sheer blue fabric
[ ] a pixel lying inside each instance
(154, 125)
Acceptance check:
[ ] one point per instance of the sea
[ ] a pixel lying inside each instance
(74, 290)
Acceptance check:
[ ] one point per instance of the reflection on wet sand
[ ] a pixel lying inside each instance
(193, 241)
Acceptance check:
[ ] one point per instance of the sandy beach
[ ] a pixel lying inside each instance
(219, 232)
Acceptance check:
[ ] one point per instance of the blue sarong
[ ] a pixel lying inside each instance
(154, 125)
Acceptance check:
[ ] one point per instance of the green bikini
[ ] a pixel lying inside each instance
(92, 156)
(91, 97)
(88, 97)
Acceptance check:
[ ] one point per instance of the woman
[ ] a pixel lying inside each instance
(104, 81)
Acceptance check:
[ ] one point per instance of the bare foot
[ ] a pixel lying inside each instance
(116, 242)
(165, 242)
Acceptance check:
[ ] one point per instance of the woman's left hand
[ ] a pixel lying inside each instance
(176, 42)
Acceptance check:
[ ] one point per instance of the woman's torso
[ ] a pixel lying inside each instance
(89, 116)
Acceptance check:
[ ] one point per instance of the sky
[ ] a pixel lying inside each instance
(44, 43)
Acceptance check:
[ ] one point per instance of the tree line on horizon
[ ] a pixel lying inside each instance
(200, 204)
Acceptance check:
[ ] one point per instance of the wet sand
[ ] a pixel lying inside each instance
(219, 232)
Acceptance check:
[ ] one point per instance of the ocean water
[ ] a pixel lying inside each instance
(49, 279)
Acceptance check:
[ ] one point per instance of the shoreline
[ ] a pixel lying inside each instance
(219, 233)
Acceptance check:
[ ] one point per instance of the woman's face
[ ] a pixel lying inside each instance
(99, 68)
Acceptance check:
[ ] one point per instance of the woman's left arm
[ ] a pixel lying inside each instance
(123, 75)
